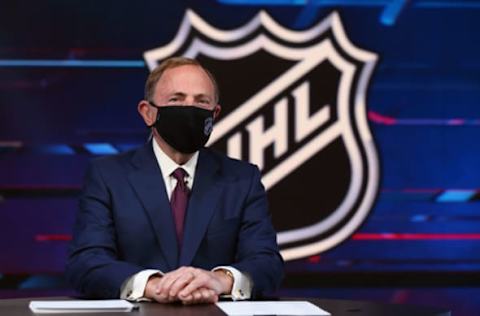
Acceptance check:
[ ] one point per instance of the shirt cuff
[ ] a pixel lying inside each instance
(133, 289)
(242, 284)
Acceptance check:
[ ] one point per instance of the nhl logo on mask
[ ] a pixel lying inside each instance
(208, 126)
(294, 104)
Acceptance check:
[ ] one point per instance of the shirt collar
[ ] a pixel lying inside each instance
(167, 165)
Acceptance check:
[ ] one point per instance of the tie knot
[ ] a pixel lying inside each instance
(179, 174)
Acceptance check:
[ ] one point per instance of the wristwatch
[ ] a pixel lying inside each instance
(228, 273)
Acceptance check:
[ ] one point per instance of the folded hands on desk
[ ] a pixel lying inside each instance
(188, 285)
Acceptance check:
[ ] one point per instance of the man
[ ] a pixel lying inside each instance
(174, 221)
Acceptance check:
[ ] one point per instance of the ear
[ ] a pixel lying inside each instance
(148, 113)
(216, 111)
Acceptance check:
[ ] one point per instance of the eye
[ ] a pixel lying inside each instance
(175, 100)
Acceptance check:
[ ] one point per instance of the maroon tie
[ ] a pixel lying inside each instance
(178, 202)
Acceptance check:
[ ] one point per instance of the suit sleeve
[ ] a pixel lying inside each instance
(257, 249)
(93, 265)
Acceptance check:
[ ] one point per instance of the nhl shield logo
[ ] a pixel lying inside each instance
(294, 104)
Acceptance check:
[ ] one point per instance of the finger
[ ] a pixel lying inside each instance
(187, 300)
(160, 299)
(167, 279)
(201, 296)
(197, 296)
(156, 295)
(206, 295)
(213, 296)
(180, 283)
(210, 296)
(163, 288)
(193, 298)
(160, 286)
(172, 299)
(201, 280)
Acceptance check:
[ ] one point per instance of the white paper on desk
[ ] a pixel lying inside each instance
(80, 306)
(271, 308)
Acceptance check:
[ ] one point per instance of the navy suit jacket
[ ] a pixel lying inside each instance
(125, 224)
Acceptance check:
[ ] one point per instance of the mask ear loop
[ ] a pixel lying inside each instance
(150, 136)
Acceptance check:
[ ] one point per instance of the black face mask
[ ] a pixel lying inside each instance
(184, 127)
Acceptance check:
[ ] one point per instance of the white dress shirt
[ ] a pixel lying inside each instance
(133, 288)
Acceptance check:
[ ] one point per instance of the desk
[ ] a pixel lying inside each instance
(19, 307)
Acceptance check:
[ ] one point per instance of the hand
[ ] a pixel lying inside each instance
(151, 289)
(218, 282)
(164, 289)
(202, 295)
(199, 296)
(189, 285)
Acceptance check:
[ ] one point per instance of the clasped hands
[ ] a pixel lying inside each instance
(188, 285)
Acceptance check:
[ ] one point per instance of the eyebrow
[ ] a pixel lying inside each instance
(177, 94)
(197, 96)
(203, 95)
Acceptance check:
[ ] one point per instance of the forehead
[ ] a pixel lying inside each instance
(189, 79)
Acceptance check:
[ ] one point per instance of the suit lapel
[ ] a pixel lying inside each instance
(147, 181)
(204, 197)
